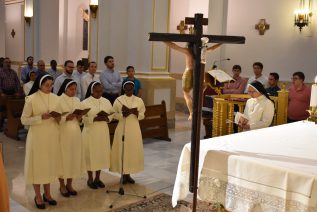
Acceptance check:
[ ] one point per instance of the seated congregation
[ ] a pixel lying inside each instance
(268, 105)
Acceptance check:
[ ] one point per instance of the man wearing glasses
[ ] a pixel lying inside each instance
(298, 99)
(68, 74)
(273, 87)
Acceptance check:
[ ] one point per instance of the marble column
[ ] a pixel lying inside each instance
(29, 29)
(159, 51)
(217, 25)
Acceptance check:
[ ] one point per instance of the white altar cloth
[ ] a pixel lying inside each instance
(270, 169)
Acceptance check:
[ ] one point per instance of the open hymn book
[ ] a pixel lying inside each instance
(57, 114)
(240, 119)
(220, 75)
(103, 113)
(81, 112)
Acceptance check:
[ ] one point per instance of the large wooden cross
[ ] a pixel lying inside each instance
(198, 21)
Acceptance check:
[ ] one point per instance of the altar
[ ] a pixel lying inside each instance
(270, 169)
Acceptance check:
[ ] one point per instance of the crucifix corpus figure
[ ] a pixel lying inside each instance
(187, 78)
(198, 70)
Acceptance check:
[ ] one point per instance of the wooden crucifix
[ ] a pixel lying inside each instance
(198, 21)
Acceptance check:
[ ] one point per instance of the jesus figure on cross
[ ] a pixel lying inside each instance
(187, 78)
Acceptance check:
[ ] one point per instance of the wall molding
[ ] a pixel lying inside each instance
(8, 2)
(155, 28)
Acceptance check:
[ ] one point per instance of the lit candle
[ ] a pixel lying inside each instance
(93, 2)
(313, 96)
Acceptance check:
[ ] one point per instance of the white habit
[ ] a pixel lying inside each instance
(43, 151)
(71, 140)
(133, 143)
(260, 112)
(95, 134)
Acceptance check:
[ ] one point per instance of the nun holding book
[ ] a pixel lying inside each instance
(70, 137)
(43, 156)
(95, 134)
(129, 109)
(259, 109)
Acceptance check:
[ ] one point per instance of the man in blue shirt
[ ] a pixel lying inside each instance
(110, 80)
(137, 83)
(273, 87)
(26, 69)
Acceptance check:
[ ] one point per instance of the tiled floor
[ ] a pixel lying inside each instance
(161, 159)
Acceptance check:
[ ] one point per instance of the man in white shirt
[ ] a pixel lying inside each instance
(258, 76)
(89, 77)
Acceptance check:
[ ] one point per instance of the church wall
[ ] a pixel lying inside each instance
(14, 20)
(281, 49)
(74, 30)
(48, 26)
(2, 26)
(123, 33)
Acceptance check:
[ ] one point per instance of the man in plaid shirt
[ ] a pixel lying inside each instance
(9, 81)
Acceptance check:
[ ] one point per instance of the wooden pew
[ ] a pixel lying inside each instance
(3, 101)
(154, 125)
(14, 108)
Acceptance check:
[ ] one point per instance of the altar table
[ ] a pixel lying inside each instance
(270, 169)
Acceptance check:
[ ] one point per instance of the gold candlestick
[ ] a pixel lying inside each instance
(313, 114)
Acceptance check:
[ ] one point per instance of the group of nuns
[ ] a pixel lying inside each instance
(57, 147)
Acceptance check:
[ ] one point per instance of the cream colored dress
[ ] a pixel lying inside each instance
(96, 136)
(71, 139)
(43, 151)
(259, 111)
(133, 143)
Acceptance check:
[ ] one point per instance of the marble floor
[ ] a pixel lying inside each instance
(161, 160)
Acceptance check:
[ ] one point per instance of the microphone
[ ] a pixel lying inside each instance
(216, 61)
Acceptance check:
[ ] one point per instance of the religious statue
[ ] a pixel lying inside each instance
(85, 17)
(187, 78)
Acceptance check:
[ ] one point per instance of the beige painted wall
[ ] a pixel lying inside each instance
(14, 20)
(282, 48)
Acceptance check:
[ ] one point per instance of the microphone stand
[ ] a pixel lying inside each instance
(121, 189)
(214, 66)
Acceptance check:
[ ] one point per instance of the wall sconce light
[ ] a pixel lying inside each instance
(28, 11)
(27, 20)
(93, 5)
(303, 15)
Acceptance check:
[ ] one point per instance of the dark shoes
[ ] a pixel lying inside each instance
(64, 194)
(39, 206)
(73, 192)
(95, 184)
(92, 185)
(99, 183)
(50, 202)
(127, 179)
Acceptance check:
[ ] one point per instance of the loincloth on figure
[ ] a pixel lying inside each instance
(187, 80)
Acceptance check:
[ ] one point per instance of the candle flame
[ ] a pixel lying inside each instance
(316, 79)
